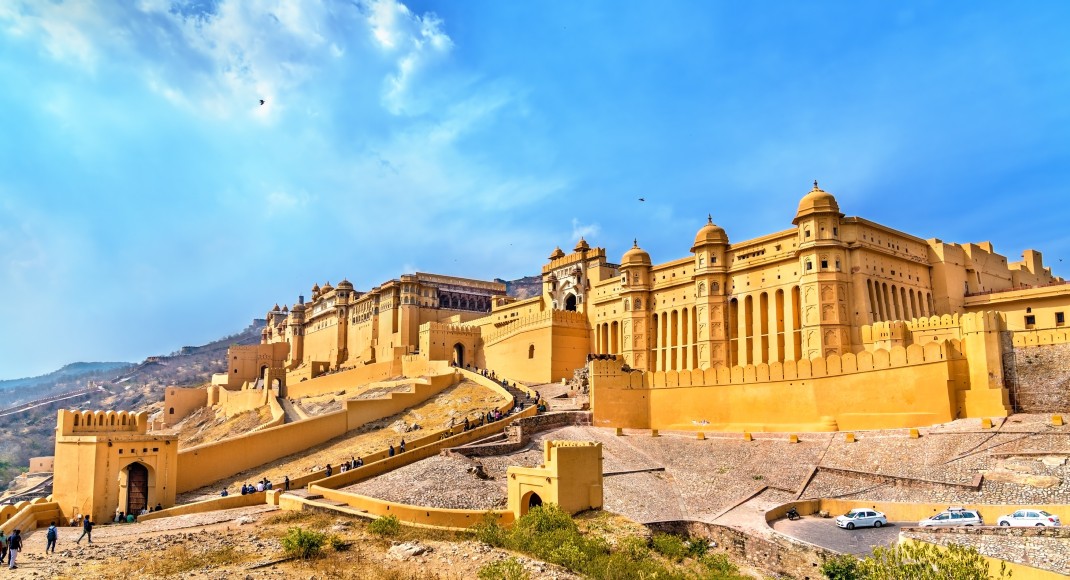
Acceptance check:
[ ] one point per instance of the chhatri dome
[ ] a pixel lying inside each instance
(557, 253)
(710, 233)
(816, 201)
(635, 256)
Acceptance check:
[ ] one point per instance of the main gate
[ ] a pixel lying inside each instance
(137, 488)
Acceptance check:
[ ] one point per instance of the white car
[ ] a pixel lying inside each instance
(1029, 518)
(860, 518)
(954, 516)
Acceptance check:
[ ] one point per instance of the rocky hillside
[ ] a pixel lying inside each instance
(522, 288)
(30, 432)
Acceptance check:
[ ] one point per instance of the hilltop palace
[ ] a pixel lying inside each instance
(837, 323)
(849, 322)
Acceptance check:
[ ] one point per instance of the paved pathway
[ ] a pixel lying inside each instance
(824, 532)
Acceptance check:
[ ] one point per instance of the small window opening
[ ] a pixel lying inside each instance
(1060, 319)
(1030, 321)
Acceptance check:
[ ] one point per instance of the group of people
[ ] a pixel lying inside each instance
(11, 545)
(262, 485)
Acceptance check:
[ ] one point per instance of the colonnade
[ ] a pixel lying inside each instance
(888, 302)
(765, 327)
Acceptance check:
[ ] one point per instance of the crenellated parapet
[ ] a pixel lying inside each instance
(821, 367)
(74, 423)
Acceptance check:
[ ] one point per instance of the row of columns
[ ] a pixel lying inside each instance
(673, 344)
(892, 303)
(607, 338)
(765, 328)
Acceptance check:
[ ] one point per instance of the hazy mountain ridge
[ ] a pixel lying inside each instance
(68, 372)
(129, 387)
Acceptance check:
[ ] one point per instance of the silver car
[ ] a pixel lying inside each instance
(954, 516)
(861, 518)
(1029, 518)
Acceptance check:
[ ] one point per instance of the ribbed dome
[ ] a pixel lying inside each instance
(557, 253)
(635, 256)
(710, 233)
(817, 201)
(276, 308)
(327, 287)
(345, 285)
(581, 246)
(298, 307)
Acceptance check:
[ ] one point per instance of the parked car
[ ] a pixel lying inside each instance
(861, 518)
(954, 516)
(1029, 518)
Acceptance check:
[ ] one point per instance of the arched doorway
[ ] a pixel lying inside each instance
(458, 355)
(534, 501)
(570, 302)
(263, 372)
(137, 488)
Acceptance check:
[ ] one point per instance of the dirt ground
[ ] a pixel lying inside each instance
(247, 543)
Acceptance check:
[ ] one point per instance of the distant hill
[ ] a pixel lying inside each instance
(522, 288)
(125, 387)
(70, 372)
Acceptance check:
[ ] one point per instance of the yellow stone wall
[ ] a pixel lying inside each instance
(570, 476)
(828, 286)
(93, 452)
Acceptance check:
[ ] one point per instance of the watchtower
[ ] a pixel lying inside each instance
(571, 477)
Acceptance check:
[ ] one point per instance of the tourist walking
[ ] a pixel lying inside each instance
(390, 452)
(286, 483)
(87, 530)
(51, 535)
(3, 548)
(329, 470)
(402, 446)
(14, 546)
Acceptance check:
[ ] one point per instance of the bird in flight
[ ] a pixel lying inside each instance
(642, 199)
(261, 102)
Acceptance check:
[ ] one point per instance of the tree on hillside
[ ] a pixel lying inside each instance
(914, 561)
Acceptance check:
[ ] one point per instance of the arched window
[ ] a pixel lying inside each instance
(76, 420)
(171, 411)
(701, 288)
(638, 304)
(531, 351)
(625, 304)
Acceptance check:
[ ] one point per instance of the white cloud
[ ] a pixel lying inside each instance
(221, 62)
(580, 230)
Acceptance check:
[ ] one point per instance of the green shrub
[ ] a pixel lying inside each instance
(489, 531)
(337, 543)
(633, 548)
(696, 547)
(303, 544)
(510, 569)
(670, 546)
(718, 566)
(841, 567)
(922, 561)
(385, 527)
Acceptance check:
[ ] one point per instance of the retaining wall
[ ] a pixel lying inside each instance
(204, 464)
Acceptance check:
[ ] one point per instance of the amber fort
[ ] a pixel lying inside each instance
(813, 335)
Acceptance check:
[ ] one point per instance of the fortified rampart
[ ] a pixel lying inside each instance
(204, 464)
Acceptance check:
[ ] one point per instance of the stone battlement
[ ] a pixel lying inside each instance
(73, 422)
(833, 365)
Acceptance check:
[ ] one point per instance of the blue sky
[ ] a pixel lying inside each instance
(147, 200)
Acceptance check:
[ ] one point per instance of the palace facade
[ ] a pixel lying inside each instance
(829, 286)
